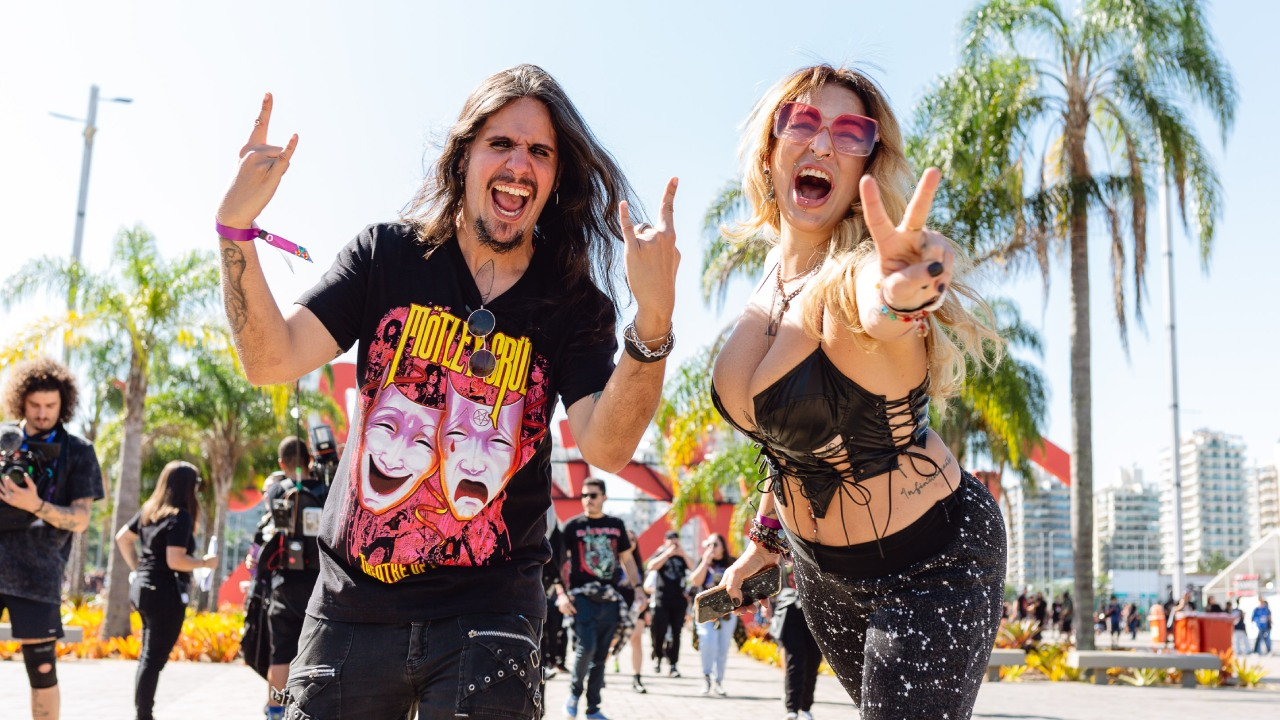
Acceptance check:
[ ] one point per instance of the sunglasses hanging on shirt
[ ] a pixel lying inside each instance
(480, 324)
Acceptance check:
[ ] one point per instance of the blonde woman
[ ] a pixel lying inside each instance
(861, 320)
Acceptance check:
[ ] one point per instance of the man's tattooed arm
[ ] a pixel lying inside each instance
(233, 299)
(74, 518)
(919, 485)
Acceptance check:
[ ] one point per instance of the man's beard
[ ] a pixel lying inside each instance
(498, 246)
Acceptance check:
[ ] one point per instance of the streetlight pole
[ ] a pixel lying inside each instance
(90, 129)
(1175, 455)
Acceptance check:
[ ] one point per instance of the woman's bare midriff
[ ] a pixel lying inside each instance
(848, 522)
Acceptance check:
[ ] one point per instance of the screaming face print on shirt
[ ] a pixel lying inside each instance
(437, 445)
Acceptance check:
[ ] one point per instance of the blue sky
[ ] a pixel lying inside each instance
(370, 86)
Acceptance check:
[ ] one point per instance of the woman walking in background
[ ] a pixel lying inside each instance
(165, 525)
(714, 637)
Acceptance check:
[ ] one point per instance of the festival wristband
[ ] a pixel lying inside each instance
(257, 233)
(769, 522)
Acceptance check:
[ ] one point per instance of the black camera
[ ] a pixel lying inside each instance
(325, 453)
(19, 459)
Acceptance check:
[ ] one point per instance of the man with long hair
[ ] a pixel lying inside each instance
(493, 296)
(40, 515)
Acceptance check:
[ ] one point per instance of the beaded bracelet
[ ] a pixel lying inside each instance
(919, 315)
(771, 540)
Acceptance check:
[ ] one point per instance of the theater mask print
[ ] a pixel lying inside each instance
(479, 451)
(437, 448)
(400, 441)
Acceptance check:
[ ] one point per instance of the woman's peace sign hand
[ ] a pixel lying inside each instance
(915, 263)
(261, 167)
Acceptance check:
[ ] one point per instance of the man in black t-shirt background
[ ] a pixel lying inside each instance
(596, 546)
(488, 304)
(290, 555)
(670, 603)
(41, 517)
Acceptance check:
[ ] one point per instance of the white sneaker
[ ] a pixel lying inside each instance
(718, 689)
(790, 716)
(805, 715)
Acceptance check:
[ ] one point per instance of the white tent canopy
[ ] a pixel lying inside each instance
(1251, 572)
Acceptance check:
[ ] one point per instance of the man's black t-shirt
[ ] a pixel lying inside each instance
(156, 539)
(439, 502)
(594, 548)
(32, 560)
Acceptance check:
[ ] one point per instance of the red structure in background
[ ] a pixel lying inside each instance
(647, 479)
(1054, 460)
(344, 379)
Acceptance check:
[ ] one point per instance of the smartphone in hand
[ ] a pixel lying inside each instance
(715, 602)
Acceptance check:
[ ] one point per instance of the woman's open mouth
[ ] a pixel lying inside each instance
(509, 201)
(811, 186)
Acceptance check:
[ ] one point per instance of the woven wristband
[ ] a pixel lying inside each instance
(257, 233)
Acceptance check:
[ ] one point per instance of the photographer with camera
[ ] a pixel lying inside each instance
(290, 555)
(49, 481)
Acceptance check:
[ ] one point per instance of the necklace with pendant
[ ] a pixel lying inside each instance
(779, 291)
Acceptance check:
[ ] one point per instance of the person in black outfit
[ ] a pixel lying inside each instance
(555, 640)
(165, 524)
(670, 602)
(801, 656)
(39, 518)
(291, 556)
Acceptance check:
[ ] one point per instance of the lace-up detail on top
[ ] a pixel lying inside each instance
(831, 434)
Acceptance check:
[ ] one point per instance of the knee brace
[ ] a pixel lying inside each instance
(38, 655)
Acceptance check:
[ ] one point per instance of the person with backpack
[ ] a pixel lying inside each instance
(290, 555)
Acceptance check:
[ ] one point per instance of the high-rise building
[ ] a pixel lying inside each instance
(1215, 507)
(1126, 523)
(1040, 534)
(1264, 501)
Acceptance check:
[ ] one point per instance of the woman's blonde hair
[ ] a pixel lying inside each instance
(955, 330)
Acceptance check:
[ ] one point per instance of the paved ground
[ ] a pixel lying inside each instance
(103, 690)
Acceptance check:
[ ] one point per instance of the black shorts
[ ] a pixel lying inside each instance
(288, 610)
(32, 619)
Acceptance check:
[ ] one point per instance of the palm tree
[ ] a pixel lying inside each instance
(1053, 119)
(209, 403)
(153, 307)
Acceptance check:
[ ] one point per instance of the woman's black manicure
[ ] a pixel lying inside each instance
(737, 602)
(942, 287)
(935, 269)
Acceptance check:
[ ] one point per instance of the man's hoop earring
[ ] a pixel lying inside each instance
(557, 197)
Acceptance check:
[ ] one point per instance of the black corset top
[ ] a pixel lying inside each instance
(827, 431)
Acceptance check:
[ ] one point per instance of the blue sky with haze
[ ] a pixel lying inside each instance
(665, 85)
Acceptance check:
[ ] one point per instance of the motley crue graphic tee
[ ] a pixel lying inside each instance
(594, 547)
(439, 504)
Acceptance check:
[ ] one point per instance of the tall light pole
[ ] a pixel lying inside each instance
(1175, 455)
(90, 129)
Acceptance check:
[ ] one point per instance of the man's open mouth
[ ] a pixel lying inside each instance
(812, 186)
(509, 201)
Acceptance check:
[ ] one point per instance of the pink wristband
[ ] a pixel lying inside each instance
(256, 233)
(771, 523)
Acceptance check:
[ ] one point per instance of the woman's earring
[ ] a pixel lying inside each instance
(768, 196)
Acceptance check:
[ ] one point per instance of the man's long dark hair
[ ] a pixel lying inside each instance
(578, 226)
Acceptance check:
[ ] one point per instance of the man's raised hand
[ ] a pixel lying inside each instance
(261, 167)
(651, 261)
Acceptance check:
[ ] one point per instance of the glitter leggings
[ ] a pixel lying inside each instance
(914, 641)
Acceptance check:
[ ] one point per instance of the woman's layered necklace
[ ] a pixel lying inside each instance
(782, 299)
